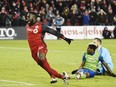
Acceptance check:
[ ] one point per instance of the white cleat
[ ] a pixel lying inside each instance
(78, 76)
(66, 77)
(53, 80)
(65, 81)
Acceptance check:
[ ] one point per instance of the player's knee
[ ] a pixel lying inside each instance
(41, 55)
(87, 75)
(90, 74)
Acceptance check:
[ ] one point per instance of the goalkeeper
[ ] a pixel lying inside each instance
(106, 57)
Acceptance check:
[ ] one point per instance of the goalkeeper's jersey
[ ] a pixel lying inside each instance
(91, 61)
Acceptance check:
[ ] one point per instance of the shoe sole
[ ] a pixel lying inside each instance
(53, 82)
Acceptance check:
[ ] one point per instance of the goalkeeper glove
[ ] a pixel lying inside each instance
(68, 40)
(113, 75)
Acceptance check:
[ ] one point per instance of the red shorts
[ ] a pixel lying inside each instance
(41, 49)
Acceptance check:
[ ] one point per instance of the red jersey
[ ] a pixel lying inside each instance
(35, 36)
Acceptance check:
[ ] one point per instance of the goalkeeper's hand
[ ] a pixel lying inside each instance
(74, 71)
(113, 75)
(68, 40)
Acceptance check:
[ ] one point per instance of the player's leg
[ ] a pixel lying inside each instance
(84, 73)
(45, 65)
(53, 73)
(99, 71)
(58, 75)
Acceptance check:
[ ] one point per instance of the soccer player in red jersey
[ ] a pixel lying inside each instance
(35, 34)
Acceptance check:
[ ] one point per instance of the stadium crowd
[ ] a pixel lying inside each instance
(74, 12)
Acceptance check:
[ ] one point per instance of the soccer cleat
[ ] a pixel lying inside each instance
(65, 81)
(66, 76)
(53, 80)
(78, 76)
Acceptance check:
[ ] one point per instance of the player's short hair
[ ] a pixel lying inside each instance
(92, 46)
(33, 13)
(98, 39)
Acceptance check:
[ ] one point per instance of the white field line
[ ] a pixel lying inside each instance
(7, 85)
(58, 51)
(21, 83)
(16, 48)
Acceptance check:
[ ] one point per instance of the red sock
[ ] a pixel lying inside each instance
(53, 73)
(45, 65)
(58, 75)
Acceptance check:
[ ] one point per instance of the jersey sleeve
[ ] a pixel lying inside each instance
(83, 57)
(101, 58)
(52, 31)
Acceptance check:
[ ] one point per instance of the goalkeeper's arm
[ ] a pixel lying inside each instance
(109, 70)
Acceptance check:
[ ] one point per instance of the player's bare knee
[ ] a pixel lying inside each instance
(41, 55)
(87, 75)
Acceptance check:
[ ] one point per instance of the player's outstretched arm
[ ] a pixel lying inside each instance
(80, 67)
(56, 33)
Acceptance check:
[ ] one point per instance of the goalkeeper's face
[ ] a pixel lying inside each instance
(96, 42)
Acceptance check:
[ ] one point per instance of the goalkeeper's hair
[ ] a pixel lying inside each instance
(98, 39)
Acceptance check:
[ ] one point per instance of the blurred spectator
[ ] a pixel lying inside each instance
(113, 6)
(110, 17)
(106, 33)
(114, 32)
(5, 19)
(86, 18)
(73, 15)
(68, 23)
(42, 14)
(114, 20)
(93, 17)
(24, 12)
(50, 15)
(58, 22)
(66, 15)
(75, 12)
(79, 20)
(60, 7)
(102, 17)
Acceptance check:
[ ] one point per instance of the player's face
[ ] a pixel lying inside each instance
(30, 17)
(89, 50)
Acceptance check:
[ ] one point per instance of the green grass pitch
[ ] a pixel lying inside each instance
(18, 69)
